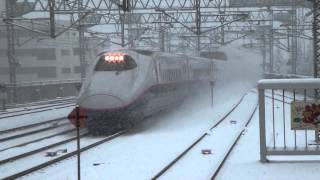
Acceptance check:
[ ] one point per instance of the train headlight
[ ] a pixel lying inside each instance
(115, 61)
(114, 57)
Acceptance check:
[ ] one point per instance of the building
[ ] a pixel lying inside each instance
(41, 58)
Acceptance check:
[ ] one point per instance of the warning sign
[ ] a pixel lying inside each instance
(305, 115)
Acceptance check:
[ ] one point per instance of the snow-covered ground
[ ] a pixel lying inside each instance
(143, 152)
(244, 161)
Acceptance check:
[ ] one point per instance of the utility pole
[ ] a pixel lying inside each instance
(271, 43)
(198, 25)
(264, 51)
(222, 11)
(294, 38)
(316, 41)
(82, 54)
(122, 18)
(51, 4)
(316, 37)
(161, 34)
(11, 49)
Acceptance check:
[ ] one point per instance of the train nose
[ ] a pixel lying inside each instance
(101, 102)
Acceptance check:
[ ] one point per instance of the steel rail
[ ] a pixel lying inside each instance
(43, 110)
(14, 158)
(233, 145)
(33, 132)
(61, 158)
(40, 139)
(174, 161)
(225, 116)
(32, 125)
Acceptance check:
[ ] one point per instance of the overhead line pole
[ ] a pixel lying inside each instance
(198, 25)
(316, 37)
(82, 55)
(51, 4)
(11, 49)
(294, 41)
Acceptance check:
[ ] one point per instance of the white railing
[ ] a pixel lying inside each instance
(277, 137)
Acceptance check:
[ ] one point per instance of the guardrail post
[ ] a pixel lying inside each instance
(263, 150)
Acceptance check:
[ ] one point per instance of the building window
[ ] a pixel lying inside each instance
(41, 54)
(46, 54)
(47, 72)
(77, 69)
(3, 53)
(41, 72)
(76, 51)
(65, 52)
(66, 70)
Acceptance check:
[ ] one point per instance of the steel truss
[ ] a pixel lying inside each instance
(152, 22)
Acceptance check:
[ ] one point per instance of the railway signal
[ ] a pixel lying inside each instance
(77, 117)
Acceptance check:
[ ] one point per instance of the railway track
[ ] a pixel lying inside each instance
(35, 110)
(32, 152)
(55, 160)
(29, 126)
(84, 135)
(225, 158)
(64, 132)
(15, 136)
(39, 103)
(202, 137)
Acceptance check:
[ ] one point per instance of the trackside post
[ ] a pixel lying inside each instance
(211, 88)
(75, 117)
(3, 96)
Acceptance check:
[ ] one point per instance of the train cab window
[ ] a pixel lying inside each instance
(115, 62)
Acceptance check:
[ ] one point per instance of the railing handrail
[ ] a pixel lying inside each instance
(312, 83)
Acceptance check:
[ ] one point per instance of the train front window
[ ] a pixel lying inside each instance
(115, 62)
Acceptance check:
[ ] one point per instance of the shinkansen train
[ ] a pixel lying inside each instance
(125, 86)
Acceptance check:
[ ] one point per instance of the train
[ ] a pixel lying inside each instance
(125, 86)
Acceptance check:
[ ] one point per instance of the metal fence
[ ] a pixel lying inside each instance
(37, 91)
(277, 135)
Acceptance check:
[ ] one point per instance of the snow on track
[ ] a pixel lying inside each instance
(141, 153)
(244, 160)
(18, 121)
(219, 141)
